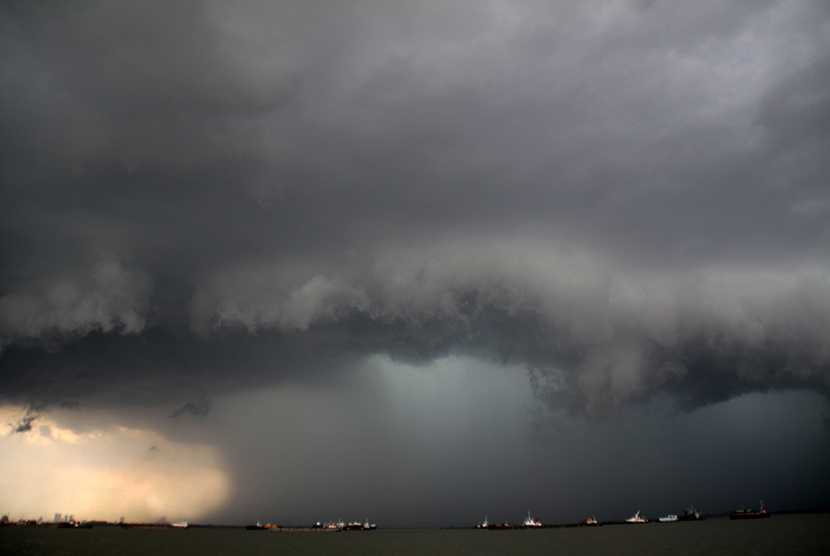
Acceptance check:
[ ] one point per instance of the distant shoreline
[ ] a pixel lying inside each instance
(310, 528)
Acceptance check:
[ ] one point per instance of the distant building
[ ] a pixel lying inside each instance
(121, 519)
(57, 518)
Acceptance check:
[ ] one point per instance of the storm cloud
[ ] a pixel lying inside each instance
(628, 200)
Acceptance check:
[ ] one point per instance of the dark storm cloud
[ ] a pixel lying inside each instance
(198, 408)
(25, 423)
(627, 198)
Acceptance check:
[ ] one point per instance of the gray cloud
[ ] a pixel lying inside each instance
(404, 188)
(628, 199)
(25, 423)
(197, 408)
(108, 299)
(638, 196)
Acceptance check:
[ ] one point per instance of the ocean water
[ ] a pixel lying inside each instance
(781, 534)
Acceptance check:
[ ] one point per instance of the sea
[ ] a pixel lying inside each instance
(780, 534)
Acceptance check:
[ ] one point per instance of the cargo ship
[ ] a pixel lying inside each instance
(745, 513)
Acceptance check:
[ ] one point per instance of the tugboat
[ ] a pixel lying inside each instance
(530, 522)
(636, 518)
(745, 513)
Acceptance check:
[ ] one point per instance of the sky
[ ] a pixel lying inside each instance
(418, 262)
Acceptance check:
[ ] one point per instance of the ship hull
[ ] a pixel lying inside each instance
(748, 515)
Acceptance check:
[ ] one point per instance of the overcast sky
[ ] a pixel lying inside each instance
(419, 262)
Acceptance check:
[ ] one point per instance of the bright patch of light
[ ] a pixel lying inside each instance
(105, 473)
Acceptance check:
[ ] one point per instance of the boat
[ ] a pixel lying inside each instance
(745, 513)
(667, 518)
(258, 527)
(484, 524)
(74, 525)
(636, 518)
(591, 521)
(690, 514)
(179, 525)
(530, 522)
(146, 525)
(357, 526)
(329, 526)
(335, 525)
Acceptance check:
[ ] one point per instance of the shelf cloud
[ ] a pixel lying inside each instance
(626, 200)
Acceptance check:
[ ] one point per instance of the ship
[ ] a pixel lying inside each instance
(357, 526)
(690, 514)
(338, 525)
(667, 518)
(148, 526)
(530, 522)
(329, 526)
(74, 525)
(484, 524)
(316, 528)
(745, 513)
(636, 518)
(591, 521)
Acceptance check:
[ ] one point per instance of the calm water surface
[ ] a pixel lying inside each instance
(781, 534)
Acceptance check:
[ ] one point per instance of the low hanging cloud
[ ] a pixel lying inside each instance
(24, 424)
(197, 408)
(601, 337)
(107, 298)
(629, 199)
